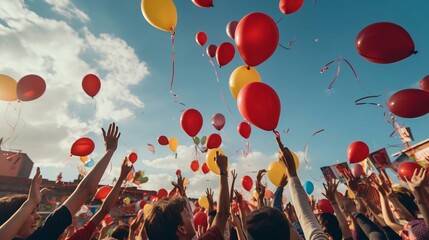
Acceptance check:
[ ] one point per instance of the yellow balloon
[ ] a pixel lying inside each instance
(240, 77)
(255, 194)
(83, 159)
(185, 181)
(203, 202)
(276, 171)
(295, 159)
(161, 14)
(173, 143)
(127, 201)
(210, 160)
(146, 209)
(7, 88)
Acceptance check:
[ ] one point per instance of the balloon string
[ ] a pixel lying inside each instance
(110, 171)
(13, 126)
(224, 101)
(306, 145)
(351, 67)
(359, 102)
(336, 75)
(228, 141)
(214, 68)
(217, 80)
(172, 65)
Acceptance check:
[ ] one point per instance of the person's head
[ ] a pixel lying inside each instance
(9, 205)
(330, 226)
(121, 232)
(267, 221)
(168, 220)
(407, 200)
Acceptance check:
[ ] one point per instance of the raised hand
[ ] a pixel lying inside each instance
(418, 180)
(179, 185)
(234, 175)
(221, 161)
(125, 168)
(35, 195)
(283, 181)
(286, 157)
(290, 212)
(238, 198)
(209, 194)
(111, 137)
(330, 190)
(352, 182)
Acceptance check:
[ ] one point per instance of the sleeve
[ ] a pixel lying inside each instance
(306, 218)
(212, 233)
(54, 225)
(368, 227)
(84, 232)
(278, 195)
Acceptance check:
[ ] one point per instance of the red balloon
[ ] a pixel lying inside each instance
(91, 85)
(132, 157)
(191, 122)
(218, 121)
(244, 129)
(256, 37)
(384, 42)
(406, 170)
(357, 152)
(247, 183)
(424, 83)
(163, 140)
(211, 50)
(102, 192)
(225, 53)
(161, 193)
(409, 103)
(290, 6)
(201, 38)
(259, 104)
(203, 3)
(30, 87)
(82, 147)
(142, 203)
(230, 29)
(200, 219)
(205, 168)
(214, 141)
(108, 219)
(325, 206)
(178, 172)
(195, 165)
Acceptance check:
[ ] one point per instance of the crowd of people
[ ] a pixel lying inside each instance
(396, 212)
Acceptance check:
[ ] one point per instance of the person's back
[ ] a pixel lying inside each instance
(267, 223)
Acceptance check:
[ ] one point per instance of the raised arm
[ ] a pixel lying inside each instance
(223, 200)
(330, 192)
(309, 224)
(260, 188)
(209, 195)
(234, 177)
(417, 184)
(88, 186)
(278, 195)
(10, 228)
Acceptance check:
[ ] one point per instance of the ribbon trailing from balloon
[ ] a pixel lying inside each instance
(217, 81)
(306, 146)
(326, 67)
(359, 102)
(14, 125)
(289, 44)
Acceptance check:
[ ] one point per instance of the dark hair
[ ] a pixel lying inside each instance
(164, 218)
(407, 200)
(267, 221)
(330, 225)
(9, 205)
(120, 232)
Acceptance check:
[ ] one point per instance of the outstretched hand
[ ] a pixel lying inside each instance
(179, 185)
(221, 161)
(286, 157)
(352, 182)
(209, 194)
(125, 168)
(35, 195)
(418, 180)
(111, 137)
(330, 190)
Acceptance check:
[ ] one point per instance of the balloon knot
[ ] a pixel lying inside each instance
(248, 67)
(212, 5)
(415, 52)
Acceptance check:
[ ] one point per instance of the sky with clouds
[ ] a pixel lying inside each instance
(63, 40)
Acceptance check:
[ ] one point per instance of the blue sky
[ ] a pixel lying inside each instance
(133, 59)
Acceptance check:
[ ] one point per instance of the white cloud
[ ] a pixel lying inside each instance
(63, 56)
(67, 9)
